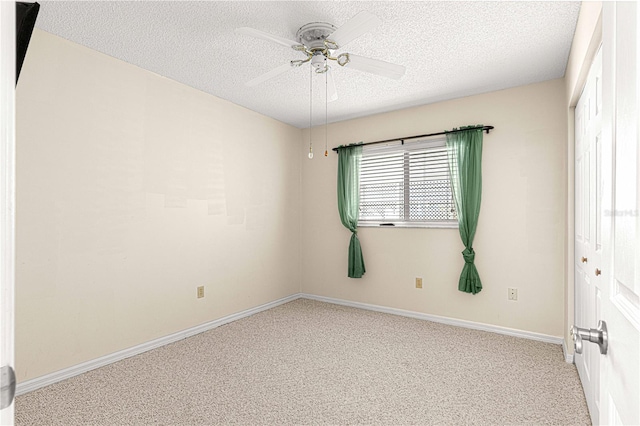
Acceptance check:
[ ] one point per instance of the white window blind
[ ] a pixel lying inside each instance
(406, 185)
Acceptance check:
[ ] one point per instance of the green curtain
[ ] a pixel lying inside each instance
(349, 202)
(464, 149)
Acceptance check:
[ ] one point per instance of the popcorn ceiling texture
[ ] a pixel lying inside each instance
(450, 49)
(309, 362)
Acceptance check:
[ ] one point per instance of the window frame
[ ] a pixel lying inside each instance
(406, 148)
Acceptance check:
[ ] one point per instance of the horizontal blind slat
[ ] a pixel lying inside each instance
(384, 192)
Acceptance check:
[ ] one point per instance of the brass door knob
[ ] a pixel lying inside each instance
(584, 259)
(598, 272)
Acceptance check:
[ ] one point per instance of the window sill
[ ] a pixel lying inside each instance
(436, 225)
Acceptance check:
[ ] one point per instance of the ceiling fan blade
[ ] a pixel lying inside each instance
(361, 23)
(332, 93)
(373, 66)
(266, 36)
(270, 74)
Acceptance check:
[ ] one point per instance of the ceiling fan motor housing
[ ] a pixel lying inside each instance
(314, 34)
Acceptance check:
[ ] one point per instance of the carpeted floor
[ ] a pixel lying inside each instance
(308, 362)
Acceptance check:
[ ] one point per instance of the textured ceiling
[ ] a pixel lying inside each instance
(450, 49)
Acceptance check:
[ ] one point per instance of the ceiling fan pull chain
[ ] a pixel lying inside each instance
(310, 110)
(326, 102)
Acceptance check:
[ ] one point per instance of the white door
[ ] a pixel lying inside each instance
(620, 367)
(7, 144)
(588, 223)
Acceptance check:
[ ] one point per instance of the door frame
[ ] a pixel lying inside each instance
(573, 95)
(7, 190)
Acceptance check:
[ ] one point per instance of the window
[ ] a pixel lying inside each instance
(406, 185)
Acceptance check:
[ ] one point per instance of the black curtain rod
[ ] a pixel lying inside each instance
(484, 128)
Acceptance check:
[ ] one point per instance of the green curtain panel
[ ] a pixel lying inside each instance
(464, 149)
(349, 202)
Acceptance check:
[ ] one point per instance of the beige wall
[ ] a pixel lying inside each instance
(584, 47)
(520, 237)
(132, 190)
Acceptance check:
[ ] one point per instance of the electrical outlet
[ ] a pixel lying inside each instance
(418, 282)
(513, 293)
(200, 292)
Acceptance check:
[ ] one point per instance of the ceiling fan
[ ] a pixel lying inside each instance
(318, 41)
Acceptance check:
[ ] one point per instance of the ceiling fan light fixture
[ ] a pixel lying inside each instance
(319, 63)
(331, 45)
(343, 59)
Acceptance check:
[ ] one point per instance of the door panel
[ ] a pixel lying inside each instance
(586, 195)
(7, 144)
(620, 367)
(588, 242)
(599, 185)
(626, 149)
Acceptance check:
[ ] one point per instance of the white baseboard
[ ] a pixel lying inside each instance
(444, 320)
(48, 379)
(567, 356)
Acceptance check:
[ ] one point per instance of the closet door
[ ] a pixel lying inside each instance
(588, 222)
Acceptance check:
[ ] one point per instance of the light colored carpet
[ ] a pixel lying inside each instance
(308, 362)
